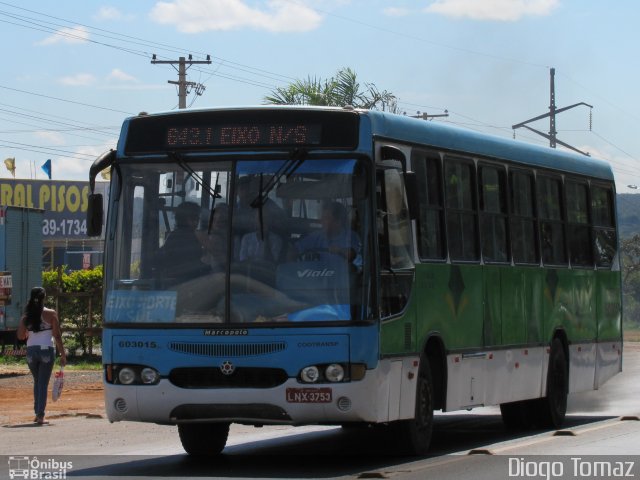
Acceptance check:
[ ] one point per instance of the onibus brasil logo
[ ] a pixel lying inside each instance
(40, 469)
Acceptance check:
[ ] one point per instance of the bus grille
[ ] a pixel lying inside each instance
(212, 377)
(228, 349)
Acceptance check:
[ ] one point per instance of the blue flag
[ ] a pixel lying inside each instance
(46, 166)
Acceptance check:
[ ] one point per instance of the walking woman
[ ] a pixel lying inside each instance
(39, 326)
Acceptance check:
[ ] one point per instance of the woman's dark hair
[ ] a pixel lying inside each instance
(34, 308)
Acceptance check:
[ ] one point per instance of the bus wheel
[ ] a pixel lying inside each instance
(203, 438)
(414, 436)
(553, 408)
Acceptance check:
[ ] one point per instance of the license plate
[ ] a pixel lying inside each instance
(309, 395)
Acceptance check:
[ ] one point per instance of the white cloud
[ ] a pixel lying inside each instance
(118, 75)
(67, 35)
(54, 138)
(66, 168)
(501, 10)
(78, 80)
(112, 14)
(396, 11)
(195, 16)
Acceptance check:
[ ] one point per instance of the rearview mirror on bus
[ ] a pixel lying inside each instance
(95, 215)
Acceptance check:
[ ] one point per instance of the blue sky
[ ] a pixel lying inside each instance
(73, 70)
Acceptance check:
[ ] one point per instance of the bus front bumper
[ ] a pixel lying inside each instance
(386, 393)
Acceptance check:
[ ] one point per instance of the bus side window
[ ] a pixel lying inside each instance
(431, 242)
(604, 231)
(578, 224)
(524, 232)
(462, 225)
(552, 237)
(493, 223)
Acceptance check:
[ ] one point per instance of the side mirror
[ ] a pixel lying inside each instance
(95, 215)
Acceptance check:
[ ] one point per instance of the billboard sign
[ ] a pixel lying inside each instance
(64, 204)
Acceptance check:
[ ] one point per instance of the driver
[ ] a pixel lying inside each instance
(334, 238)
(182, 251)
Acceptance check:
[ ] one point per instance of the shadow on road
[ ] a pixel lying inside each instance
(325, 454)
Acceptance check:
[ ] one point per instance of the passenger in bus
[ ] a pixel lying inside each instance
(243, 214)
(335, 238)
(263, 244)
(262, 249)
(182, 251)
(247, 190)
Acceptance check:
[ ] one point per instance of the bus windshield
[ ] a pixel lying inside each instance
(228, 242)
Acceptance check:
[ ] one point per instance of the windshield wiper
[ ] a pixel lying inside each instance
(192, 173)
(213, 192)
(288, 168)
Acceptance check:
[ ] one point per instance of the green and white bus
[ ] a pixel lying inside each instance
(348, 267)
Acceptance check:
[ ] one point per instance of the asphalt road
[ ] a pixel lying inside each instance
(467, 445)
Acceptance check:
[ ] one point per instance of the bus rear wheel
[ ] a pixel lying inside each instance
(551, 410)
(206, 439)
(414, 436)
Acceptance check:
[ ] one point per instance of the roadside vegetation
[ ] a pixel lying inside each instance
(11, 361)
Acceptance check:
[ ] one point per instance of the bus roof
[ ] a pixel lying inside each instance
(438, 135)
(442, 136)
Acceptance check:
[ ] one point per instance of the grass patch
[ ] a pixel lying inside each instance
(10, 360)
(78, 362)
(84, 362)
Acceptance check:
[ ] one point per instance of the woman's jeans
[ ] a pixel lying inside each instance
(40, 361)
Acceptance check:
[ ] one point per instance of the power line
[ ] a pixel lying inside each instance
(89, 125)
(152, 44)
(48, 150)
(41, 25)
(57, 122)
(136, 40)
(64, 100)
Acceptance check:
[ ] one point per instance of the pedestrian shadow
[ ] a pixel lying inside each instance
(12, 375)
(28, 425)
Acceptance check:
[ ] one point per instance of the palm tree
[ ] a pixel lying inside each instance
(341, 90)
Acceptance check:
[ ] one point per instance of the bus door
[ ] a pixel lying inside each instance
(395, 246)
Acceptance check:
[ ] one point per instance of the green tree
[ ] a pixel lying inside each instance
(630, 249)
(74, 292)
(338, 91)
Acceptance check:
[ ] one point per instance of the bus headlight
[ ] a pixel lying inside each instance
(310, 374)
(131, 374)
(334, 372)
(148, 376)
(126, 376)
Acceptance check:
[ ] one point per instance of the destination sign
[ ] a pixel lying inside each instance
(243, 135)
(241, 129)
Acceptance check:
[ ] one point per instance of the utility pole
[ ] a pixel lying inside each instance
(553, 111)
(184, 87)
(426, 116)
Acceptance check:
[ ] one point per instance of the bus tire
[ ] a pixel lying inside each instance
(206, 439)
(414, 436)
(551, 410)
